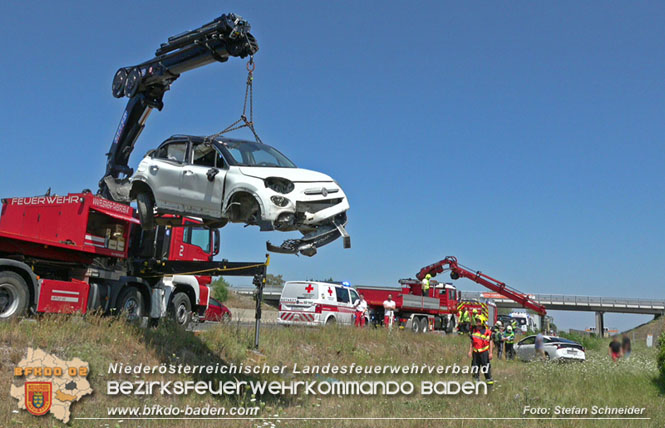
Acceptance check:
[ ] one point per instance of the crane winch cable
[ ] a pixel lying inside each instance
(244, 122)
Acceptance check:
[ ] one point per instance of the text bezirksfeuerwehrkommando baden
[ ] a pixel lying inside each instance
(326, 386)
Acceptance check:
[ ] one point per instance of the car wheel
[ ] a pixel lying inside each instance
(331, 321)
(215, 224)
(180, 310)
(130, 304)
(13, 296)
(146, 209)
(226, 318)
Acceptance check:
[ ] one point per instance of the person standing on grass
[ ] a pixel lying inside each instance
(540, 346)
(497, 338)
(625, 346)
(464, 321)
(614, 349)
(508, 340)
(361, 310)
(388, 311)
(480, 350)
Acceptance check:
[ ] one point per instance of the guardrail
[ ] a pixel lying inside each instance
(587, 303)
(550, 301)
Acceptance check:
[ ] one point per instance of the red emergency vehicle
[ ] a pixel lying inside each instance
(82, 252)
(414, 309)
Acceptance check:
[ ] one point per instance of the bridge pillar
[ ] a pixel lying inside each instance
(600, 325)
(544, 324)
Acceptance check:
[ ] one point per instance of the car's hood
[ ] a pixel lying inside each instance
(293, 174)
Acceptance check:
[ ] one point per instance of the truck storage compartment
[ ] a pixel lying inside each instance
(63, 296)
(81, 222)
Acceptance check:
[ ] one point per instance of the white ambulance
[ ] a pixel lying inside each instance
(316, 303)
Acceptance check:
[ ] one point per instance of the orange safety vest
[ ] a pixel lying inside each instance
(480, 339)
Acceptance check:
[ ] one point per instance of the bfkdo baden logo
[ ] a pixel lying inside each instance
(50, 385)
(38, 397)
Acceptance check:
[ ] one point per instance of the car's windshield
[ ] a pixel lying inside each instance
(247, 153)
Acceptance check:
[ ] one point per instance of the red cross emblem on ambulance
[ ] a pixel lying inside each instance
(330, 291)
(309, 288)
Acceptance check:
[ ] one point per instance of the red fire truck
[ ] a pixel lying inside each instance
(438, 307)
(423, 311)
(81, 252)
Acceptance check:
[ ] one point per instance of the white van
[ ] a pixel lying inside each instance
(525, 322)
(316, 303)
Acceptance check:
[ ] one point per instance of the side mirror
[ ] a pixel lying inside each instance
(216, 241)
(212, 172)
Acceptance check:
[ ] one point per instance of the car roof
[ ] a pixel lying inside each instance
(334, 284)
(202, 138)
(554, 339)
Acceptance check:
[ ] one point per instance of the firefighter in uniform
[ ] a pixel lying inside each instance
(509, 339)
(497, 338)
(483, 317)
(425, 284)
(480, 350)
(464, 321)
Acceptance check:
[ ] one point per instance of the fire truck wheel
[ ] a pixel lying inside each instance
(14, 296)
(451, 325)
(180, 310)
(146, 208)
(415, 325)
(424, 325)
(130, 303)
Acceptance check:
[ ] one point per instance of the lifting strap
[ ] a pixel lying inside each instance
(244, 122)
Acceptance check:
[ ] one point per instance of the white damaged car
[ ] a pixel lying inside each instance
(227, 180)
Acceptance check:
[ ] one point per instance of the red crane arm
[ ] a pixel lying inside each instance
(457, 271)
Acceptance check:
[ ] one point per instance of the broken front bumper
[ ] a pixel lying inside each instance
(308, 244)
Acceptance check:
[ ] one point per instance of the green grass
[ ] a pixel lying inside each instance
(101, 341)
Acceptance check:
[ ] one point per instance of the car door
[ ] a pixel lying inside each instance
(526, 348)
(344, 302)
(203, 181)
(165, 175)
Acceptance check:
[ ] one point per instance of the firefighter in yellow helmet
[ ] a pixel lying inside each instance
(480, 351)
(509, 340)
(483, 317)
(425, 284)
(464, 320)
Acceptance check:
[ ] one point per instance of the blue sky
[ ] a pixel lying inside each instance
(525, 139)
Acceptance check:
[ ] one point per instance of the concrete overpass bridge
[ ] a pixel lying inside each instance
(599, 305)
(554, 302)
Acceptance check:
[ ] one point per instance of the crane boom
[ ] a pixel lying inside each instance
(457, 271)
(145, 84)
